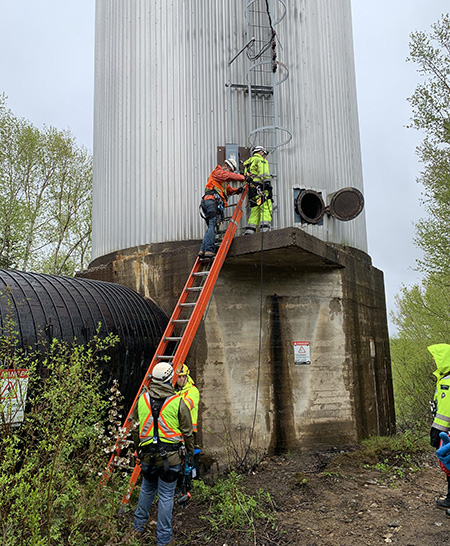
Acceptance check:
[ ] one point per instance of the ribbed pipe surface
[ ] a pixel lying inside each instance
(42, 307)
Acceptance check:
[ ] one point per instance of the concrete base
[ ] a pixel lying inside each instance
(283, 287)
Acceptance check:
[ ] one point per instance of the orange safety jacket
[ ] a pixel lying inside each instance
(218, 181)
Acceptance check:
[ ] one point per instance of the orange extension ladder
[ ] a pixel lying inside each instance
(181, 329)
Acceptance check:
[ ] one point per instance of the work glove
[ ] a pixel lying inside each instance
(443, 452)
(248, 178)
(240, 190)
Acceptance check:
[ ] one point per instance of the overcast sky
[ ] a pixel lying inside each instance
(47, 72)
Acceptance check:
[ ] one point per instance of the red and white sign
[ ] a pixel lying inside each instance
(13, 394)
(302, 353)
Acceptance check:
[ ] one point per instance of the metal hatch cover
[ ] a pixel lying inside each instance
(346, 204)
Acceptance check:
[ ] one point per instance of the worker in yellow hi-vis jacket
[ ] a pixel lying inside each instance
(186, 388)
(441, 404)
(260, 198)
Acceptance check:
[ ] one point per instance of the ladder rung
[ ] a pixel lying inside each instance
(188, 304)
(172, 338)
(180, 321)
(196, 289)
(164, 357)
(201, 274)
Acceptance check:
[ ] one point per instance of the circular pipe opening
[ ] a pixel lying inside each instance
(310, 206)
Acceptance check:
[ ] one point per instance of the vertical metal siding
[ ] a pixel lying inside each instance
(160, 113)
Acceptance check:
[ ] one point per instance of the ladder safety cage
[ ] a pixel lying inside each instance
(263, 79)
(181, 330)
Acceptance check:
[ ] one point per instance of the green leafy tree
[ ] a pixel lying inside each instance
(423, 310)
(46, 185)
(423, 319)
(431, 115)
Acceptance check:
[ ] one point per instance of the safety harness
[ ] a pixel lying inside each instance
(218, 207)
(157, 446)
(259, 192)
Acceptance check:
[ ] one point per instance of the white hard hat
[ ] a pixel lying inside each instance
(232, 164)
(260, 149)
(162, 372)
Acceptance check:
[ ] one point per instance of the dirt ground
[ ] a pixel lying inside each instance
(325, 499)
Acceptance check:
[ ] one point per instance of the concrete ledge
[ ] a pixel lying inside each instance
(311, 251)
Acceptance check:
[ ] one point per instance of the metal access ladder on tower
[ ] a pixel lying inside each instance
(265, 73)
(181, 329)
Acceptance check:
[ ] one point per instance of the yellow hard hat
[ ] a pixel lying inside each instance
(184, 370)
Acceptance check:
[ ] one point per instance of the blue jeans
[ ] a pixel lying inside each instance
(166, 492)
(213, 216)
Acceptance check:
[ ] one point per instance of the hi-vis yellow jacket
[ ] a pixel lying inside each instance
(191, 396)
(441, 355)
(168, 424)
(257, 166)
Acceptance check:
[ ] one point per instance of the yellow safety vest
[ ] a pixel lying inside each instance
(191, 396)
(168, 423)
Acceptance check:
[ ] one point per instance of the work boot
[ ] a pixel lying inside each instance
(443, 503)
(250, 229)
(201, 254)
(211, 255)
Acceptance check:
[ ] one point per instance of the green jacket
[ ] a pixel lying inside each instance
(441, 355)
(180, 421)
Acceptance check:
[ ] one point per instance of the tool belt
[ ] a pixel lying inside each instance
(160, 448)
(147, 454)
(259, 193)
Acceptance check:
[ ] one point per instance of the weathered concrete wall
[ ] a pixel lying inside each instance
(297, 289)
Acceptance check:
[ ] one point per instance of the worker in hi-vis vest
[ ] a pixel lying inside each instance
(163, 438)
(441, 407)
(186, 388)
(256, 171)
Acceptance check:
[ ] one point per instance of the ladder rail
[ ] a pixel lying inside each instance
(205, 295)
(160, 350)
(187, 337)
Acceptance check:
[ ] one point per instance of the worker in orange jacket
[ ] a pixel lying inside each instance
(215, 199)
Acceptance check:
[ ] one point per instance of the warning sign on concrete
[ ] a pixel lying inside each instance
(302, 353)
(13, 394)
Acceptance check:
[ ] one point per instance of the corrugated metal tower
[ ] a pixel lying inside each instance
(177, 86)
(162, 108)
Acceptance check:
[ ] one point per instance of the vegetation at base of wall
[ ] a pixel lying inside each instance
(240, 455)
(393, 456)
(50, 464)
(230, 508)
